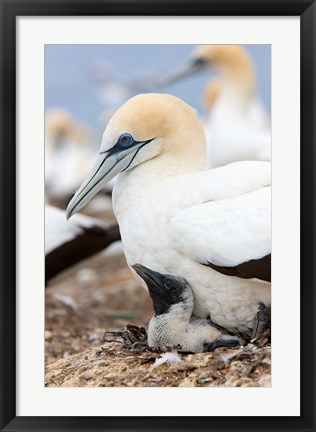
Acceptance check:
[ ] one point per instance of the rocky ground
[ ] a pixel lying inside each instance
(109, 365)
(101, 294)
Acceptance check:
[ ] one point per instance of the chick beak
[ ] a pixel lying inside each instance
(152, 278)
(160, 299)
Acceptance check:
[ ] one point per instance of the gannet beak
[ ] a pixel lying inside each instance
(193, 66)
(107, 166)
(161, 298)
(152, 278)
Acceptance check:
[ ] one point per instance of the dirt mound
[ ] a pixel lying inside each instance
(110, 365)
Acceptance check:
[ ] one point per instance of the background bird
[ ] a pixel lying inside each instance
(171, 210)
(237, 128)
(69, 148)
(69, 152)
(68, 243)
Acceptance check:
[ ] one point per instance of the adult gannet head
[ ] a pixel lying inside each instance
(145, 127)
(173, 326)
(60, 128)
(231, 61)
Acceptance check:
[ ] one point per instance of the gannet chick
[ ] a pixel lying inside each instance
(212, 227)
(237, 127)
(173, 326)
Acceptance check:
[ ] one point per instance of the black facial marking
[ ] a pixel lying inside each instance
(166, 294)
(165, 290)
(115, 149)
(125, 141)
(136, 153)
(199, 62)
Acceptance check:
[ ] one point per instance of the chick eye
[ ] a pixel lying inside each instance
(168, 284)
(126, 140)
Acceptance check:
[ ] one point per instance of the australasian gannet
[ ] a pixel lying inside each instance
(212, 227)
(237, 127)
(69, 150)
(173, 326)
(67, 244)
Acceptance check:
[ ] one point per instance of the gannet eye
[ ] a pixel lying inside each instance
(125, 140)
(199, 62)
(168, 284)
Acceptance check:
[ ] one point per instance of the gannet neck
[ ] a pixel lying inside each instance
(211, 94)
(182, 311)
(240, 79)
(237, 87)
(184, 151)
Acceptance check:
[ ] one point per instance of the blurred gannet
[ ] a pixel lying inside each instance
(211, 93)
(173, 326)
(237, 127)
(69, 150)
(67, 244)
(210, 227)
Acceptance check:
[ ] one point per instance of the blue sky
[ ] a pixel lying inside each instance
(69, 83)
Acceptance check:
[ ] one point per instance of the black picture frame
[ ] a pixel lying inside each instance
(10, 9)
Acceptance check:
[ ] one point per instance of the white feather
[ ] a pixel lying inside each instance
(240, 229)
(169, 358)
(237, 132)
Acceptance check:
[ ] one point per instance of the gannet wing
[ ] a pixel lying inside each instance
(67, 243)
(220, 183)
(233, 236)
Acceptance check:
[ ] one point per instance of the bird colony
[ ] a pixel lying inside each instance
(191, 200)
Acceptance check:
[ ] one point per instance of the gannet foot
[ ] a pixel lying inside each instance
(133, 338)
(225, 341)
(262, 322)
